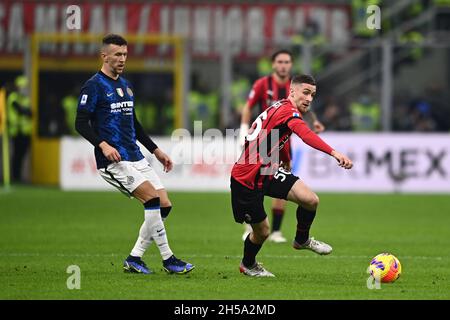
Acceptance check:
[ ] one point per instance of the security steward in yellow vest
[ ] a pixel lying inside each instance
(310, 35)
(19, 125)
(365, 114)
(70, 105)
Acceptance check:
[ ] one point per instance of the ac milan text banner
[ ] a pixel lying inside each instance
(252, 29)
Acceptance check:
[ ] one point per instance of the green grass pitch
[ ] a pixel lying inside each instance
(43, 231)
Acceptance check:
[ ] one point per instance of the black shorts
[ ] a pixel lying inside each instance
(248, 204)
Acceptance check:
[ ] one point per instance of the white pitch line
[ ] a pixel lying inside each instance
(87, 255)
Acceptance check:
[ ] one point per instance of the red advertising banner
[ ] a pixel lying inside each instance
(251, 29)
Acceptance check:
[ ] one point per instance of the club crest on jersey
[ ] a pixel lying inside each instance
(129, 91)
(119, 91)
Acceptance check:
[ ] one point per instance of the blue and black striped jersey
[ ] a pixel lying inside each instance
(110, 104)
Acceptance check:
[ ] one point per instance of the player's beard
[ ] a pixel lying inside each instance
(119, 71)
(303, 108)
(282, 75)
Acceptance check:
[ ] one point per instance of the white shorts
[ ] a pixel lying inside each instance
(127, 175)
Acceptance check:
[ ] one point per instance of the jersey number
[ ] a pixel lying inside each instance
(258, 122)
(281, 174)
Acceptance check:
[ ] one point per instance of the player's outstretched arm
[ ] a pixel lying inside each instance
(343, 160)
(300, 128)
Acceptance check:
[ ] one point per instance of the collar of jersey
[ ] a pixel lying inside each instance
(108, 77)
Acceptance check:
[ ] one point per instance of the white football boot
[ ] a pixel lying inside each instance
(314, 245)
(277, 237)
(248, 230)
(256, 271)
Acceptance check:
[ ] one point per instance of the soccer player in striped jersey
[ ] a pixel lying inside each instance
(266, 91)
(257, 173)
(107, 119)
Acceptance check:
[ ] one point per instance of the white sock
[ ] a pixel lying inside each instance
(152, 229)
(143, 242)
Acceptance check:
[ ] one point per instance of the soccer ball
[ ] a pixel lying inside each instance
(385, 267)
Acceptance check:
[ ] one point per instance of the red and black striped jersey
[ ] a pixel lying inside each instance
(267, 136)
(266, 91)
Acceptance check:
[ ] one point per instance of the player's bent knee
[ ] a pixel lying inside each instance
(165, 203)
(145, 192)
(312, 203)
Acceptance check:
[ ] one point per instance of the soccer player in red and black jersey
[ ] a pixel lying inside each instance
(266, 91)
(258, 173)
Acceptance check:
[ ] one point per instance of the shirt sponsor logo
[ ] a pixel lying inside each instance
(126, 107)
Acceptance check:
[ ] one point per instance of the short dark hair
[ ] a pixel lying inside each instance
(303, 78)
(114, 39)
(281, 51)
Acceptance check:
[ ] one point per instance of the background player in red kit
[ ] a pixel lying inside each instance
(266, 91)
(257, 173)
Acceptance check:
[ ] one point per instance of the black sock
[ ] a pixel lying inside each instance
(250, 251)
(277, 217)
(304, 220)
(165, 212)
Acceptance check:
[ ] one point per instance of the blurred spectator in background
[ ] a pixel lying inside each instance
(430, 111)
(147, 114)
(365, 114)
(335, 117)
(168, 112)
(439, 100)
(421, 115)
(240, 88)
(70, 104)
(19, 125)
(203, 105)
(311, 36)
(402, 120)
(264, 66)
(54, 117)
(413, 50)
